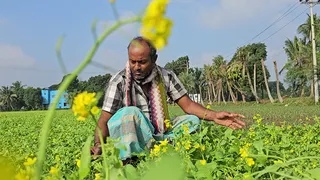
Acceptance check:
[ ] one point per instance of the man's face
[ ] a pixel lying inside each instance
(140, 61)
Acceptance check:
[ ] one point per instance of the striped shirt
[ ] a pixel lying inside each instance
(114, 98)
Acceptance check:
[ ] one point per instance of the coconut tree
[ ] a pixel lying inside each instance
(243, 56)
(7, 98)
(299, 63)
(305, 30)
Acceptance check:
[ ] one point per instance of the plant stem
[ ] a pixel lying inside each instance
(48, 120)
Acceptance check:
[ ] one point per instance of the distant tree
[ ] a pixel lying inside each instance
(178, 66)
(32, 98)
(249, 55)
(7, 98)
(18, 89)
(188, 80)
(73, 87)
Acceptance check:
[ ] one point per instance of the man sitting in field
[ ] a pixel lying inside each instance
(135, 108)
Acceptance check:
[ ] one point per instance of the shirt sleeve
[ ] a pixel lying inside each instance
(176, 88)
(113, 95)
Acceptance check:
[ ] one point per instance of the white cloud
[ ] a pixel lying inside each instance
(14, 56)
(230, 12)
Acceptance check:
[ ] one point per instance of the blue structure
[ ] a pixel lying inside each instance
(49, 95)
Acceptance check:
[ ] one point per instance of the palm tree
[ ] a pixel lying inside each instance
(18, 89)
(243, 56)
(7, 98)
(299, 63)
(305, 30)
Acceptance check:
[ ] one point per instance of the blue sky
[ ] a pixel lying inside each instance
(29, 31)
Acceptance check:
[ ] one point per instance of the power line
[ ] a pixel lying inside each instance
(285, 25)
(290, 10)
(277, 20)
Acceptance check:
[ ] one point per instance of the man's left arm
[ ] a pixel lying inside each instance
(222, 118)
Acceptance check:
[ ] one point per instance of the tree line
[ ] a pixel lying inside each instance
(242, 78)
(19, 97)
(246, 78)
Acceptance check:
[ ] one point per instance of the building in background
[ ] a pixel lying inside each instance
(49, 95)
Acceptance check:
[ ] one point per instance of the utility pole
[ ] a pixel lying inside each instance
(314, 56)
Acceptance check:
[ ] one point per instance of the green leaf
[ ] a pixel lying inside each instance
(85, 159)
(204, 132)
(169, 167)
(258, 145)
(315, 173)
(228, 133)
(131, 172)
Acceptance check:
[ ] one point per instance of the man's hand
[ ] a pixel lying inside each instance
(229, 120)
(96, 151)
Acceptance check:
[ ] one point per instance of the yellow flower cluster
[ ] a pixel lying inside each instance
(244, 154)
(168, 124)
(155, 26)
(158, 148)
(84, 104)
(257, 118)
(250, 161)
(28, 172)
(185, 128)
(30, 161)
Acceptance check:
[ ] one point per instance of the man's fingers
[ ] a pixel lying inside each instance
(236, 115)
(239, 126)
(239, 122)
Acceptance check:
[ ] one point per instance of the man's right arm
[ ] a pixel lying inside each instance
(103, 126)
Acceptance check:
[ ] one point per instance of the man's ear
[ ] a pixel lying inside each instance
(155, 57)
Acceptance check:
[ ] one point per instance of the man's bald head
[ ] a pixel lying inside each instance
(139, 43)
(142, 57)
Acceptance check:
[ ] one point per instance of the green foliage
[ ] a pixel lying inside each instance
(277, 150)
(32, 98)
(178, 66)
(188, 80)
(249, 55)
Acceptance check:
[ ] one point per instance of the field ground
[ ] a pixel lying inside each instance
(19, 131)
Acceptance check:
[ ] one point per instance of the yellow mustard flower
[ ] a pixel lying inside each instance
(30, 161)
(208, 106)
(164, 143)
(97, 176)
(155, 26)
(185, 128)
(250, 161)
(203, 162)
(197, 145)
(155, 151)
(95, 110)
(83, 104)
(177, 148)
(21, 176)
(203, 147)
(78, 162)
(25, 174)
(243, 152)
(187, 145)
(54, 170)
(164, 149)
(168, 124)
